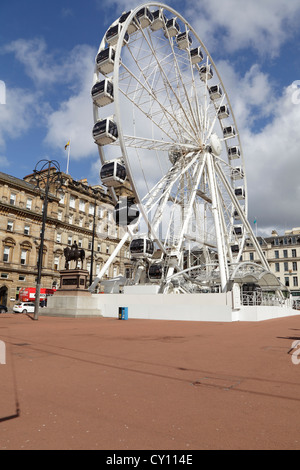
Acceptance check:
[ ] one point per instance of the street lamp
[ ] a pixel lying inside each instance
(46, 172)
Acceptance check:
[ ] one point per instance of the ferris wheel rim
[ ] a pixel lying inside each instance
(117, 106)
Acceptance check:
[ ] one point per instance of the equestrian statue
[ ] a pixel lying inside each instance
(74, 254)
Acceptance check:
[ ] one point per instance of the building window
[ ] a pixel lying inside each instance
(285, 253)
(295, 281)
(12, 199)
(69, 240)
(294, 265)
(107, 249)
(81, 222)
(23, 257)
(59, 215)
(251, 256)
(29, 204)
(91, 209)
(286, 266)
(72, 202)
(22, 278)
(4, 276)
(10, 226)
(294, 254)
(71, 219)
(287, 281)
(58, 238)
(26, 229)
(6, 254)
(276, 254)
(276, 242)
(56, 263)
(277, 267)
(89, 245)
(61, 198)
(82, 205)
(98, 247)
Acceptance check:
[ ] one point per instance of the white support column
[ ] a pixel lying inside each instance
(217, 220)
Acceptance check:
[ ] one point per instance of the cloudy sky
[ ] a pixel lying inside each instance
(47, 52)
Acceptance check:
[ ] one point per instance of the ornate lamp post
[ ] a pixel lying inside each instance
(46, 172)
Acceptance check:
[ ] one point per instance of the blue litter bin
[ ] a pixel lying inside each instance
(123, 313)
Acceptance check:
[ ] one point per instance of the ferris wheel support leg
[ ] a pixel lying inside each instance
(217, 222)
(108, 262)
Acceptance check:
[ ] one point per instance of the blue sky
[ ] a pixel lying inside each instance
(47, 50)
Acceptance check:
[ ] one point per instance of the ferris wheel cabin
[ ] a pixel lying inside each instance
(112, 35)
(183, 40)
(144, 17)
(238, 230)
(125, 212)
(172, 28)
(206, 72)
(234, 152)
(103, 92)
(223, 112)
(229, 131)
(133, 25)
(156, 272)
(237, 173)
(105, 131)
(141, 248)
(215, 92)
(196, 55)
(113, 173)
(159, 20)
(106, 60)
(240, 192)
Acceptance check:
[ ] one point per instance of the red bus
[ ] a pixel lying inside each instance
(27, 294)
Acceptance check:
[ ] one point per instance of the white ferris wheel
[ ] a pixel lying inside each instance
(171, 154)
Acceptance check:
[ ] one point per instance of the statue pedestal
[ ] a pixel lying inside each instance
(72, 299)
(73, 282)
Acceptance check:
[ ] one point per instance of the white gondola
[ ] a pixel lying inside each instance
(125, 212)
(240, 192)
(235, 249)
(106, 60)
(234, 152)
(196, 55)
(156, 272)
(223, 112)
(172, 28)
(237, 173)
(133, 25)
(215, 92)
(206, 72)
(236, 215)
(183, 40)
(144, 17)
(113, 173)
(105, 131)
(103, 92)
(228, 132)
(238, 230)
(159, 20)
(112, 35)
(141, 248)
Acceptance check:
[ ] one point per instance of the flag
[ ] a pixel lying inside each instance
(254, 221)
(67, 145)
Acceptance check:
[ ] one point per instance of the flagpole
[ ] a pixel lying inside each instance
(68, 157)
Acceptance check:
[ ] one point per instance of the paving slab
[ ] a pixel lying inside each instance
(104, 383)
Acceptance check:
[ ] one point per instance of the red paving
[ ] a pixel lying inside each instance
(109, 384)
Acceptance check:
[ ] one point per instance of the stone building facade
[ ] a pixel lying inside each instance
(70, 217)
(283, 255)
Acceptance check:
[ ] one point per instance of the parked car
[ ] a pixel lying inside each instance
(24, 307)
(3, 309)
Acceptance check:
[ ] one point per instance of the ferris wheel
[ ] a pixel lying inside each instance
(171, 153)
